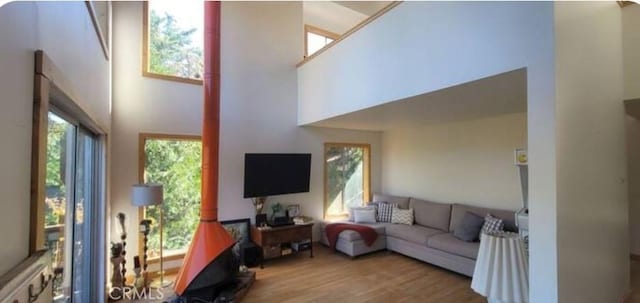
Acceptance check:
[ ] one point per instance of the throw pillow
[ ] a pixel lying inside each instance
(385, 210)
(351, 209)
(402, 216)
(374, 204)
(492, 224)
(469, 228)
(364, 215)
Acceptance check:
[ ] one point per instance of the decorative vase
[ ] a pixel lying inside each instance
(117, 280)
(259, 204)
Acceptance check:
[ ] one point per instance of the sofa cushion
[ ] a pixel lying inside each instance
(507, 216)
(492, 224)
(402, 216)
(364, 215)
(403, 202)
(413, 233)
(448, 243)
(431, 214)
(469, 228)
(385, 210)
(351, 235)
(351, 217)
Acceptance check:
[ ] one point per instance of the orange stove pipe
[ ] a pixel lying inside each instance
(210, 239)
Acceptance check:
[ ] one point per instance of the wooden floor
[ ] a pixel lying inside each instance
(377, 277)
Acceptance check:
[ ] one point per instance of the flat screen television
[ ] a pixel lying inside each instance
(276, 174)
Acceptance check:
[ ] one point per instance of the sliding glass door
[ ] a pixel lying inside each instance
(70, 204)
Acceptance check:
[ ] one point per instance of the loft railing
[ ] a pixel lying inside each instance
(360, 25)
(625, 3)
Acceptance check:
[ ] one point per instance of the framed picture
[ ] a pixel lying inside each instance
(239, 229)
(294, 210)
(521, 157)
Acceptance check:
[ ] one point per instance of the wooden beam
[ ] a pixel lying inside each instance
(38, 162)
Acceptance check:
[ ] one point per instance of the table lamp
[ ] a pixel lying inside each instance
(143, 195)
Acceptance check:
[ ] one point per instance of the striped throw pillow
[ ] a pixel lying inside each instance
(385, 210)
(402, 216)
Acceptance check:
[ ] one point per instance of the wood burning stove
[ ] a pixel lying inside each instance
(209, 265)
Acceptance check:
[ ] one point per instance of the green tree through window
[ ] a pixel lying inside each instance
(174, 163)
(346, 177)
(174, 47)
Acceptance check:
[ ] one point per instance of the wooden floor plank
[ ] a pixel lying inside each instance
(377, 277)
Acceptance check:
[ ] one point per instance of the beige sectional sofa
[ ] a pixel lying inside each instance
(429, 239)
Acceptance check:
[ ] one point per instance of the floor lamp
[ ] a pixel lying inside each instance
(143, 195)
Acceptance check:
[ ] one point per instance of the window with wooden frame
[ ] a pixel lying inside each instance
(173, 161)
(346, 177)
(173, 40)
(316, 38)
(68, 197)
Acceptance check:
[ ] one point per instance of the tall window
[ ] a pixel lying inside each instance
(346, 177)
(173, 161)
(316, 38)
(173, 40)
(70, 203)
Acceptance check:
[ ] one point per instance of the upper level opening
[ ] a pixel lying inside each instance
(326, 22)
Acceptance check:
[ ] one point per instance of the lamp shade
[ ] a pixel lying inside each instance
(146, 194)
(501, 272)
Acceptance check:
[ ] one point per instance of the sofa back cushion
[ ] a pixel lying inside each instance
(403, 202)
(507, 216)
(431, 214)
(363, 215)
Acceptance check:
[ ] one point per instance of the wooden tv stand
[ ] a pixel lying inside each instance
(275, 240)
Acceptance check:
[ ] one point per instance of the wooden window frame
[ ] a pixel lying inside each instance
(52, 92)
(318, 31)
(146, 57)
(366, 174)
(142, 139)
(350, 32)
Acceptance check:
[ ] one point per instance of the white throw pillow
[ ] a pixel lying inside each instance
(364, 215)
(402, 216)
(351, 209)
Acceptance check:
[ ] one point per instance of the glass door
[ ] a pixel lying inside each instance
(59, 194)
(72, 170)
(82, 230)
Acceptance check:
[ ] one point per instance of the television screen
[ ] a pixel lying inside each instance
(276, 174)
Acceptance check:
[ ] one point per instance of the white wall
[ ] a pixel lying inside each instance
(633, 171)
(141, 105)
(65, 32)
(592, 208)
(469, 162)
(420, 47)
(631, 51)
(330, 16)
(258, 105)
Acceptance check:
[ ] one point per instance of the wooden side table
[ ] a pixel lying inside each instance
(272, 241)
